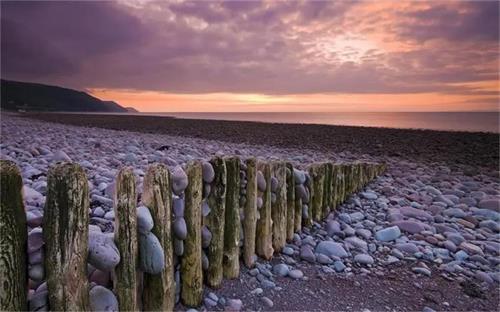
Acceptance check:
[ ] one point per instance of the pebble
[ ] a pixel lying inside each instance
(267, 302)
(261, 181)
(296, 274)
(388, 234)
(60, 156)
(363, 259)
(178, 206)
(281, 270)
(180, 228)
(234, 305)
(102, 299)
(144, 220)
(151, 255)
(207, 172)
(329, 249)
(420, 270)
(179, 180)
(103, 253)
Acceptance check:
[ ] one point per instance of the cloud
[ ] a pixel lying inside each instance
(270, 47)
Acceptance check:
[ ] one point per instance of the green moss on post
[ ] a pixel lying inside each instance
(159, 289)
(298, 212)
(290, 202)
(125, 277)
(191, 270)
(279, 207)
(263, 241)
(65, 231)
(231, 261)
(327, 191)
(317, 172)
(13, 240)
(250, 211)
(215, 223)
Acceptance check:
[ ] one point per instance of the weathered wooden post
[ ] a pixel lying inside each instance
(290, 202)
(308, 221)
(65, 231)
(125, 277)
(13, 240)
(191, 269)
(317, 172)
(327, 192)
(231, 261)
(279, 207)
(159, 289)
(335, 186)
(250, 213)
(298, 211)
(215, 223)
(342, 183)
(263, 242)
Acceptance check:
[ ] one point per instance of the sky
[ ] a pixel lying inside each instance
(260, 56)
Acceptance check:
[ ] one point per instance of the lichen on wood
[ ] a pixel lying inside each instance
(317, 172)
(290, 202)
(125, 277)
(13, 240)
(231, 262)
(250, 211)
(65, 231)
(263, 241)
(159, 289)
(279, 207)
(191, 269)
(215, 223)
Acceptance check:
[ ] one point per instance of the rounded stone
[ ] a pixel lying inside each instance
(329, 249)
(207, 172)
(274, 184)
(151, 256)
(281, 269)
(205, 208)
(180, 228)
(299, 175)
(206, 237)
(144, 220)
(260, 202)
(363, 259)
(261, 181)
(204, 261)
(388, 234)
(35, 240)
(179, 180)
(178, 206)
(102, 299)
(36, 272)
(296, 274)
(178, 247)
(103, 253)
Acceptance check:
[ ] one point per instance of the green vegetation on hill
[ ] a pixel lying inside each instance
(27, 96)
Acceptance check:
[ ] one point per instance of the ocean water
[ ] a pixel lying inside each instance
(454, 121)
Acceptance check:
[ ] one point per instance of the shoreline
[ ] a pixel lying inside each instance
(471, 149)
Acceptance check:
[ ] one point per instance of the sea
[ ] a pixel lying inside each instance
(449, 121)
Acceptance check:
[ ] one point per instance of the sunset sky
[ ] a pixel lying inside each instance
(261, 56)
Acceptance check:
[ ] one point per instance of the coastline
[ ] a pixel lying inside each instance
(471, 149)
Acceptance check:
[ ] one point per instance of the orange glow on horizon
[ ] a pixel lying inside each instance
(154, 101)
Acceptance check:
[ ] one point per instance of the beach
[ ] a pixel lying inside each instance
(423, 235)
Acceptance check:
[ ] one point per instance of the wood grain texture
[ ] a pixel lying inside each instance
(65, 231)
(125, 277)
(191, 270)
(13, 240)
(231, 260)
(290, 202)
(215, 223)
(279, 207)
(159, 289)
(317, 172)
(263, 240)
(250, 212)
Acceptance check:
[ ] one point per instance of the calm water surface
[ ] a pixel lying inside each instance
(475, 121)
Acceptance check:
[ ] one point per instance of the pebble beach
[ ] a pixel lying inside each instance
(423, 236)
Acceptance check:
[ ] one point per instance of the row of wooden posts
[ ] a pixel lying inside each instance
(66, 220)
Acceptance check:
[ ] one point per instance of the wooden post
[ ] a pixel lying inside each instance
(125, 277)
(231, 261)
(159, 289)
(191, 270)
(327, 192)
(65, 231)
(263, 240)
(13, 240)
(215, 223)
(250, 211)
(317, 172)
(290, 202)
(342, 183)
(310, 186)
(279, 208)
(298, 211)
(335, 186)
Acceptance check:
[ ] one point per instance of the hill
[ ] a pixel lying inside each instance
(28, 96)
